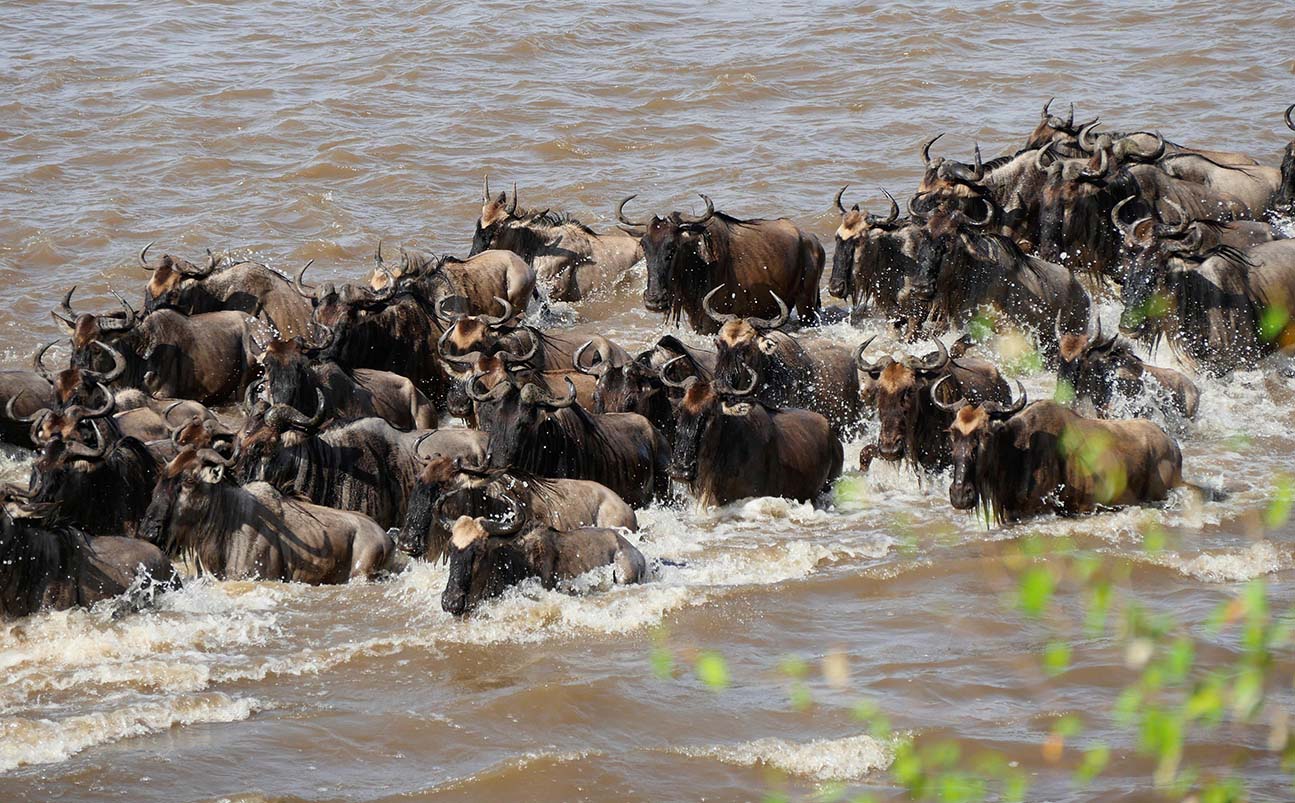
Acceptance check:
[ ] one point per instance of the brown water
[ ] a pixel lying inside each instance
(299, 131)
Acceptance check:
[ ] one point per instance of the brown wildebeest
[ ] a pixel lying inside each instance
(487, 556)
(477, 281)
(245, 286)
(913, 427)
(752, 259)
(874, 258)
(255, 532)
(1020, 461)
(446, 484)
(571, 260)
(1106, 374)
(729, 446)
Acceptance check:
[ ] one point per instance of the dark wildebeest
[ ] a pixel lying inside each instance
(386, 330)
(549, 436)
(23, 392)
(913, 427)
(1024, 461)
(562, 504)
(365, 465)
(52, 567)
(477, 280)
(810, 374)
(470, 336)
(293, 372)
(254, 532)
(1105, 374)
(246, 286)
(1284, 201)
(632, 386)
(1186, 235)
(209, 358)
(730, 446)
(970, 267)
(1224, 309)
(487, 556)
(88, 474)
(571, 260)
(687, 257)
(875, 258)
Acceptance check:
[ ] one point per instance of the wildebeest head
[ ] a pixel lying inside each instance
(674, 248)
(484, 559)
(169, 275)
(496, 213)
(179, 499)
(969, 435)
(87, 330)
(523, 422)
(340, 307)
(1285, 199)
(289, 378)
(74, 424)
(269, 426)
(443, 485)
(744, 343)
(1089, 367)
(74, 385)
(856, 225)
(947, 178)
(702, 402)
(901, 388)
(624, 386)
(468, 337)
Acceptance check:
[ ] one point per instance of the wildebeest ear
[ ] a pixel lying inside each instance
(212, 474)
(704, 251)
(768, 345)
(1142, 232)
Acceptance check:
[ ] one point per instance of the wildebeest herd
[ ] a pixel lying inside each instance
(254, 425)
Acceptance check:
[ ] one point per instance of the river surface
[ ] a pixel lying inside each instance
(296, 131)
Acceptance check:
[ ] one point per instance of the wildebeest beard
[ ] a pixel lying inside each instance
(559, 443)
(107, 496)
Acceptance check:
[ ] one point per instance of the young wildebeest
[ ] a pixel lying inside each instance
(913, 425)
(208, 358)
(477, 281)
(254, 532)
(294, 372)
(571, 260)
(541, 434)
(810, 374)
(487, 556)
(50, 567)
(1106, 374)
(365, 465)
(447, 484)
(1023, 461)
(729, 446)
(240, 286)
(686, 257)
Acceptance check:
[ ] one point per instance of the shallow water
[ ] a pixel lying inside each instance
(298, 132)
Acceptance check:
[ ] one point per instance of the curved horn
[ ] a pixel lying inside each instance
(39, 366)
(718, 317)
(250, 394)
(926, 149)
(570, 399)
(865, 366)
(68, 315)
(710, 212)
(664, 371)
(485, 189)
(620, 212)
(1290, 123)
(952, 407)
(1084, 133)
(512, 205)
(496, 527)
(837, 199)
(938, 361)
(443, 314)
(513, 357)
(979, 172)
(1046, 150)
(1178, 227)
(295, 417)
(215, 458)
(1044, 114)
(892, 216)
(1002, 413)
(419, 443)
(27, 419)
(1124, 228)
(304, 290)
(109, 325)
(118, 364)
(1103, 168)
(143, 262)
(991, 213)
(774, 322)
(912, 208)
(594, 369)
(459, 359)
(81, 411)
(389, 290)
(750, 386)
(85, 452)
(495, 323)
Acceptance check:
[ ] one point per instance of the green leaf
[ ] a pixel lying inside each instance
(1068, 726)
(662, 663)
(1036, 591)
(1056, 657)
(1094, 761)
(1279, 509)
(712, 670)
(1099, 605)
(1272, 321)
(1178, 661)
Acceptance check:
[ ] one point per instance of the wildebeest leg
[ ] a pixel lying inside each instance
(866, 456)
(629, 567)
(369, 555)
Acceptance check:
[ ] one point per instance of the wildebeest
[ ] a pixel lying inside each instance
(549, 436)
(970, 267)
(873, 257)
(23, 392)
(255, 532)
(487, 556)
(811, 374)
(293, 372)
(1064, 136)
(245, 286)
(1105, 373)
(562, 504)
(632, 386)
(1224, 310)
(571, 260)
(209, 358)
(1284, 200)
(1023, 461)
(53, 567)
(364, 465)
(477, 280)
(913, 427)
(476, 397)
(390, 329)
(689, 256)
(729, 446)
(1186, 235)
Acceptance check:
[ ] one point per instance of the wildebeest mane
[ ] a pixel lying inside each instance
(571, 443)
(30, 558)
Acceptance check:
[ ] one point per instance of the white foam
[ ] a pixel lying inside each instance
(848, 759)
(1256, 560)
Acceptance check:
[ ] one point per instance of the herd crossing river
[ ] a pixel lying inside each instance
(855, 406)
